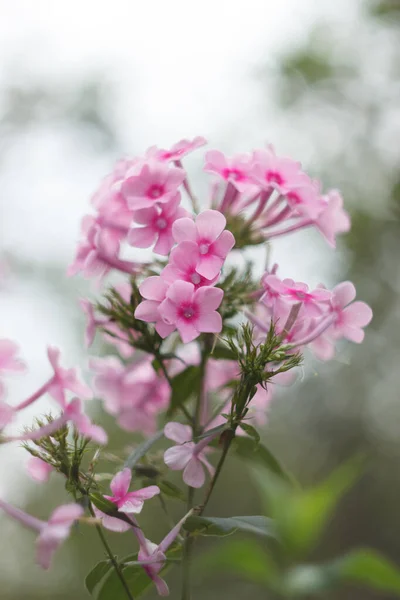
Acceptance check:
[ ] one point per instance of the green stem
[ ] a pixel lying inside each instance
(218, 469)
(112, 558)
(196, 426)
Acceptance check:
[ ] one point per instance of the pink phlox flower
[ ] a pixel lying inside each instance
(272, 171)
(74, 412)
(183, 262)
(187, 455)
(351, 316)
(236, 170)
(64, 379)
(55, 531)
(177, 151)
(154, 556)
(213, 240)
(135, 394)
(157, 221)
(153, 182)
(98, 254)
(295, 292)
(92, 323)
(305, 199)
(51, 533)
(39, 470)
(333, 219)
(9, 362)
(192, 311)
(154, 290)
(127, 502)
(111, 185)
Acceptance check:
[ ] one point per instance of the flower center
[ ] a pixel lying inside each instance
(203, 248)
(155, 191)
(273, 176)
(195, 278)
(161, 223)
(188, 312)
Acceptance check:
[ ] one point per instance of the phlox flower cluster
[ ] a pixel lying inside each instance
(178, 330)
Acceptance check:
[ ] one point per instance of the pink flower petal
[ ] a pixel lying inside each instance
(187, 330)
(183, 230)
(147, 311)
(153, 288)
(120, 483)
(178, 432)
(209, 323)
(38, 469)
(210, 224)
(209, 266)
(344, 293)
(194, 475)
(208, 298)
(177, 457)
(180, 292)
(141, 237)
(224, 244)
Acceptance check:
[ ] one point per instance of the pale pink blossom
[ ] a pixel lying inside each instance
(154, 182)
(9, 362)
(305, 199)
(154, 290)
(38, 469)
(92, 323)
(127, 502)
(182, 265)
(236, 170)
(135, 394)
(192, 311)
(295, 292)
(157, 228)
(153, 556)
(52, 533)
(333, 219)
(350, 317)
(213, 240)
(177, 151)
(73, 413)
(272, 171)
(187, 455)
(98, 254)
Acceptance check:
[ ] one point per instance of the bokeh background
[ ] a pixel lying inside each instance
(84, 83)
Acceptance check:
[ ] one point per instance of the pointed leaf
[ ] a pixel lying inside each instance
(142, 449)
(251, 431)
(219, 526)
(94, 577)
(171, 490)
(248, 449)
(184, 385)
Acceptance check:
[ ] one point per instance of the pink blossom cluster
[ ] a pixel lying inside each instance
(280, 196)
(60, 382)
(321, 317)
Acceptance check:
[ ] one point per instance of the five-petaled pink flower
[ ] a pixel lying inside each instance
(157, 221)
(294, 292)
(351, 316)
(236, 170)
(182, 266)
(127, 502)
(152, 182)
(213, 241)
(272, 171)
(51, 533)
(192, 311)
(187, 455)
(178, 150)
(333, 219)
(64, 379)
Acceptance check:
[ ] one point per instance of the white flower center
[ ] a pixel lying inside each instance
(203, 248)
(195, 278)
(188, 313)
(161, 223)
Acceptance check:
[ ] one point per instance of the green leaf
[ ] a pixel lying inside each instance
(218, 526)
(171, 490)
(248, 449)
(183, 386)
(245, 558)
(138, 581)
(214, 430)
(142, 449)
(251, 431)
(94, 577)
(106, 506)
(301, 515)
(362, 567)
(223, 352)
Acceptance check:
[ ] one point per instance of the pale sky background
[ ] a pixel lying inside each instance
(179, 69)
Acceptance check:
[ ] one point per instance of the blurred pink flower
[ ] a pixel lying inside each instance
(157, 228)
(236, 169)
(213, 241)
(38, 469)
(135, 394)
(187, 455)
(333, 219)
(177, 151)
(272, 171)
(51, 533)
(192, 311)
